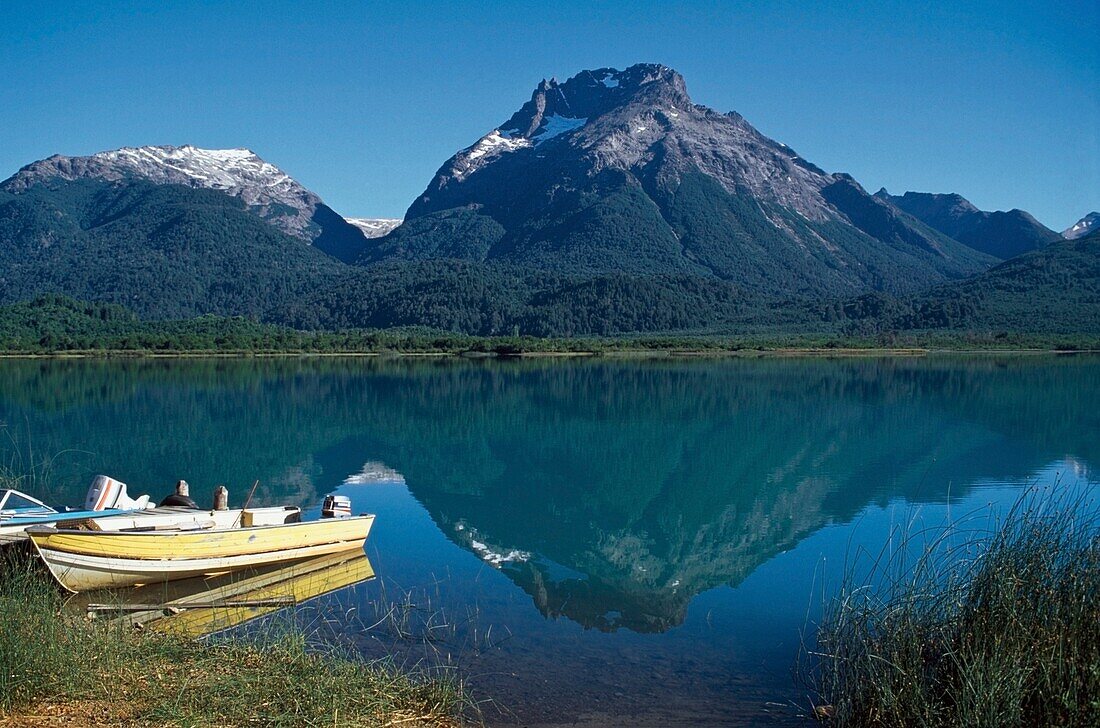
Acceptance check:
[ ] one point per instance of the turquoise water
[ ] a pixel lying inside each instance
(581, 539)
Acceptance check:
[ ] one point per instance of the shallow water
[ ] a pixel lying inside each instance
(582, 539)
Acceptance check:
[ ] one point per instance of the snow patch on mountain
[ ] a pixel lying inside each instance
(374, 227)
(494, 142)
(486, 149)
(224, 169)
(608, 79)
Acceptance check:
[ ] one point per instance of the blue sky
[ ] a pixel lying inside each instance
(362, 102)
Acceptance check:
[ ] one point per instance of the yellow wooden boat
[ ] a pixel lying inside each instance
(83, 560)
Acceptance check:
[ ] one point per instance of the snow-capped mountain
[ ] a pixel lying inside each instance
(374, 227)
(1089, 223)
(626, 120)
(618, 172)
(267, 190)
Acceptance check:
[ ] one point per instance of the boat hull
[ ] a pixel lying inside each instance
(86, 560)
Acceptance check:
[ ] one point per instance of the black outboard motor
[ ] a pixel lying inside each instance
(336, 506)
(181, 498)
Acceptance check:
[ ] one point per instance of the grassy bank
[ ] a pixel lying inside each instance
(995, 629)
(56, 668)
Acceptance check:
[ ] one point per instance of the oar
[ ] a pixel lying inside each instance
(245, 506)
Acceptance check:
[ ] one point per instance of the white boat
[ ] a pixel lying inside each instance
(106, 497)
(108, 507)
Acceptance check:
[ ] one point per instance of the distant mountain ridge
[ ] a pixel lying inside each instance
(265, 189)
(619, 171)
(607, 204)
(1001, 234)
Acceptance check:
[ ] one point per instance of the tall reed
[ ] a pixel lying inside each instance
(972, 628)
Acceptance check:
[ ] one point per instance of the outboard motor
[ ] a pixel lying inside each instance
(108, 493)
(336, 506)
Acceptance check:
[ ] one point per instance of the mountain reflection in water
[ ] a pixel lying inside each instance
(611, 492)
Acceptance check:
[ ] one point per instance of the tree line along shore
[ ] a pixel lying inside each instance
(56, 325)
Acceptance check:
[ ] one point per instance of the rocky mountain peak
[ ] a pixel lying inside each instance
(619, 171)
(947, 203)
(556, 108)
(1088, 224)
(593, 93)
(640, 118)
(241, 172)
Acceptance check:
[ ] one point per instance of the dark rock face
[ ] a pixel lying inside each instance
(616, 171)
(1000, 234)
(265, 189)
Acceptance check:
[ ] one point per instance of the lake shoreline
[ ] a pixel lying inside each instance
(641, 353)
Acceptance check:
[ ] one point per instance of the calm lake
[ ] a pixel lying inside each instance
(585, 538)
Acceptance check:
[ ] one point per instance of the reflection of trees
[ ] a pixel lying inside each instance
(649, 481)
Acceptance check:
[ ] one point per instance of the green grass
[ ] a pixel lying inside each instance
(980, 629)
(52, 663)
